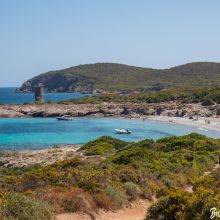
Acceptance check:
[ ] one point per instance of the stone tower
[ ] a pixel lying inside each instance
(39, 93)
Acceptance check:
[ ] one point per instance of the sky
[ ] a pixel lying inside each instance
(37, 36)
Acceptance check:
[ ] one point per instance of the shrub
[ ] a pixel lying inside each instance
(118, 197)
(193, 141)
(22, 207)
(146, 193)
(128, 174)
(201, 204)
(77, 200)
(182, 205)
(170, 207)
(118, 144)
(104, 201)
(132, 190)
(103, 145)
(68, 163)
(206, 181)
(70, 200)
(147, 169)
(100, 149)
(90, 178)
(207, 102)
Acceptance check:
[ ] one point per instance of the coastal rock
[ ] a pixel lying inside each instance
(47, 156)
(180, 113)
(107, 109)
(159, 111)
(125, 111)
(151, 111)
(3, 162)
(142, 111)
(7, 113)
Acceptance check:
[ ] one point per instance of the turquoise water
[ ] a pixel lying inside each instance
(33, 133)
(8, 96)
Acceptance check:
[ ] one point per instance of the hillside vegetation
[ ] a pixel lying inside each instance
(119, 77)
(206, 97)
(113, 173)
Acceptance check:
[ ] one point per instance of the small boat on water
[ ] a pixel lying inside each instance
(203, 129)
(123, 131)
(65, 118)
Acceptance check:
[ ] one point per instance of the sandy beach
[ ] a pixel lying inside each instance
(214, 122)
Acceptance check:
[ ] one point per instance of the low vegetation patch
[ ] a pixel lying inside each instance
(125, 172)
(104, 145)
(18, 206)
(207, 97)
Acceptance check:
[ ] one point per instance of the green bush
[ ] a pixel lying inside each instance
(208, 102)
(103, 145)
(185, 95)
(183, 205)
(118, 144)
(170, 207)
(193, 141)
(132, 190)
(117, 196)
(68, 163)
(22, 207)
(100, 149)
(104, 201)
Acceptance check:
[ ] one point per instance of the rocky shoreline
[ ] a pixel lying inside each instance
(171, 109)
(25, 158)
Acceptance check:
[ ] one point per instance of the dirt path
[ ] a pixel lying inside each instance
(137, 211)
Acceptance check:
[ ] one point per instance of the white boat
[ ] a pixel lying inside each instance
(203, 129)
(122, 131)
(65, 118)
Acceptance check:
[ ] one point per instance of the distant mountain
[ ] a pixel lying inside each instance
(120, 77)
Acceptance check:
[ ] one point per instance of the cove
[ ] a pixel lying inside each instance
(37, 133)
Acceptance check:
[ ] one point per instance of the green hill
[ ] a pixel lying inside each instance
(119, 77)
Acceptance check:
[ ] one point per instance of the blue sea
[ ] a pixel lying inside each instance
(36, 133)
(8, 96)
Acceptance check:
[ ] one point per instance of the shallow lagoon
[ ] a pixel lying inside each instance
(36, 133)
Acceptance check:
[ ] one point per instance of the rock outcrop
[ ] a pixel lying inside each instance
(107, 109)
